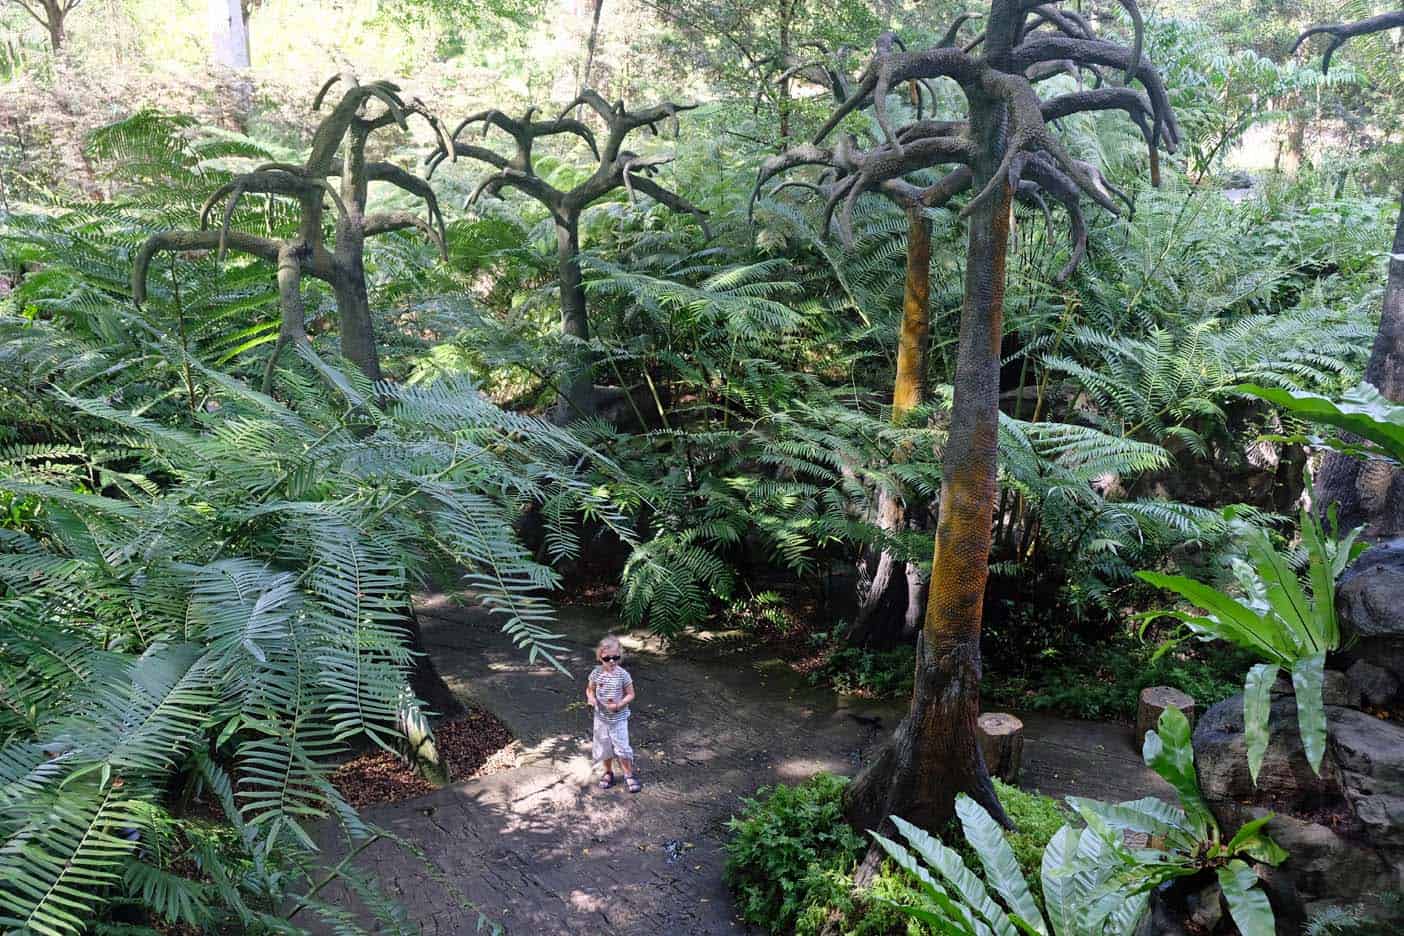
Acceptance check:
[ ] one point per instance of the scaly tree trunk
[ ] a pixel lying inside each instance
(1373, 493)
(885, 593)
(935, 753)
(577, 389)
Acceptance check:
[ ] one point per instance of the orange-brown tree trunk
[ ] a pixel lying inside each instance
(935, 753)
(889, 606)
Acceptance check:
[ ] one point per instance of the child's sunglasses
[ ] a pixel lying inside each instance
(612, 659)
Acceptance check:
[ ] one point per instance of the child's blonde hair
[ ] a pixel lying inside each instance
(608, 640)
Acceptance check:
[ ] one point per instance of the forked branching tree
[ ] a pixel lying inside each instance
(881, 591)
(338, 176)
(1370, 493)
(52, 15)
(618, 168)
(1004, 147)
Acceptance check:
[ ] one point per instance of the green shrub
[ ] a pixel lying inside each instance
(882, 674)
(1104, 681)
(874, 912)
(790, 848)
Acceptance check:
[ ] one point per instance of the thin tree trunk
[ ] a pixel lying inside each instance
(577, 388)
(787, 9)
(56, 31)
(590, 46)
(353, 308)
(935, 752)
(1373, 493)
(229, 33)
(880, 599)
(292, 328)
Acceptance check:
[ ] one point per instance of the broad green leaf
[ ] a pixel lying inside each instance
(1149, 815)
(940, 923)
(1307, 678)
(1247, 903)
(958, 918)
(1001, 867)
(1227, 619)
(947, 863)
(1058, 873)
(1263, 849)
(1292, 627)
(1362, 410)
(1169, 752)
(1257, 706)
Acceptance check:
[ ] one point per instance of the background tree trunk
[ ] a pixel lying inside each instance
(590, 46)
(935, 753)
(889, 605)
(353, 307)
(577, 388)
(1373, 493)
(229, 32)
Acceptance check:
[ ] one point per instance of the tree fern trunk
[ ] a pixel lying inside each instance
(1373, 493)
(887, 604)
(935, 753)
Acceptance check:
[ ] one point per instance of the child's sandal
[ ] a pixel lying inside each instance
(633, 784)
(607, 781)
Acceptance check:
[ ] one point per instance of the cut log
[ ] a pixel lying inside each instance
(1154, 701)
(1002, 743)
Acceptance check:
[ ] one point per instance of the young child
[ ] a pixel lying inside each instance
(609, 690)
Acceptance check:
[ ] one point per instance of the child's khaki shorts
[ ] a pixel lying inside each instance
(611, 740)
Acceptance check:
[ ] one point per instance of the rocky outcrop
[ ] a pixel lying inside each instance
(1370, 601)
(1343, 829)
(1285, 782)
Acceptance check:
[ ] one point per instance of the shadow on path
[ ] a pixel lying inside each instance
(541, 850)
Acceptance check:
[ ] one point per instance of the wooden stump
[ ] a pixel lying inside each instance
(1156, 699)
(1002, 743)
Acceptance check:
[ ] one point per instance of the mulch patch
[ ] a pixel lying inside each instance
(473, 745)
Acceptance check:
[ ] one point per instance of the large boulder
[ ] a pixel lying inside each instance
(1369, 754)
(1285, 782)
(1343, 830)
(1370, 601)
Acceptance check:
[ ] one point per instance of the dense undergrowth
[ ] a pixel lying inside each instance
(790, 860)
(206, 593)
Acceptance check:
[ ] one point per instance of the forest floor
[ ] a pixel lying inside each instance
(541, 850)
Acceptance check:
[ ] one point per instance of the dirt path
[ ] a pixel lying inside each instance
(542, 851)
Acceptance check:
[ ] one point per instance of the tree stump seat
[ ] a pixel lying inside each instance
(1002, 744)
(1154, 701)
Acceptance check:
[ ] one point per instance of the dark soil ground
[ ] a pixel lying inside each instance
(540, 849)
(473, 744)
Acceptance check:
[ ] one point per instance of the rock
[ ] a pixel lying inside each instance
(1360, 794)
(1370, 754)
(1320, 861)
(1374, 685)
(1368, 599)
(1335, 688)
(1285, 781)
